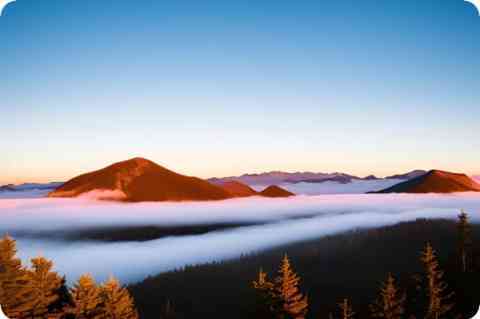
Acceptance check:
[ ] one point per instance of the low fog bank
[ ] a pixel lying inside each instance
(331, 187)
(283, 221)
(48, 214)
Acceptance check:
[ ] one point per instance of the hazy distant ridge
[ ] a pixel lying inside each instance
(279, 177)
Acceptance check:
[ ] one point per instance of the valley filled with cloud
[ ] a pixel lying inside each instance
(235, 227)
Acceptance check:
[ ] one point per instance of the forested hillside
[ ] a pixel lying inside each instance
(351, 265)
(424, 269)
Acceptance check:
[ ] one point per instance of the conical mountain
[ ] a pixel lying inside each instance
(436, 181)
(275, 191)
(140, 180)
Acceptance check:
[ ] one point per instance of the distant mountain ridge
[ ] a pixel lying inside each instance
(341, 178)
(279, 177)
(276, 177)
(436, 181)
(409, 175)
(30, 187)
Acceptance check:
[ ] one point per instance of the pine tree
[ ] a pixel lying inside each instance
(266, 300)
(118, 304)
(262, 284)
(464, 241)
(292, 302)
(168, 311)
(64, 301)
(13, 279)
(87, 299)
(438, 298)
(346, 311)
(390, 303)
(43, 286)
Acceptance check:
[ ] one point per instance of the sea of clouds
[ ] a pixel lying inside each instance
(356, 186)
(278, 222)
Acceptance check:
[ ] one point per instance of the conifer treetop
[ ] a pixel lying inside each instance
(390, 302)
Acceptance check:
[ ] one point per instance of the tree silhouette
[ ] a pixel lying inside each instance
(118, 304)
(168, 310)
(64, 301)
(40, 293)
(291, 301)
(438, 298)
(346, 311)
(390, 303)
(464, 241)
(87, 299)
(13, 279)
(267, 303)
(44, 285)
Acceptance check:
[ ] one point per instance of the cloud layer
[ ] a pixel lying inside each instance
(331, 187)
(287, 220)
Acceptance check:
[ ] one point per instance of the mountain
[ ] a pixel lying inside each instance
(275, 191)
(436, 181)
(237, 189)
(340, 178)
(7, 188)
(138, 180)
(278, 177)
(30, 187)
(371, 178)
(409, 175)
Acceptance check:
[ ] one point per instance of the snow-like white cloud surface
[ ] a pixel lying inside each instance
(330, 187)
(284, 221)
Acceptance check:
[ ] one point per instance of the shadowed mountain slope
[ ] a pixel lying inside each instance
(409, 175)
(237, 189)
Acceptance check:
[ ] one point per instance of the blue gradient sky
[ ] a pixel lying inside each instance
(214, 88)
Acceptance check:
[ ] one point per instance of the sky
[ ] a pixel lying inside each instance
(217, 88)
